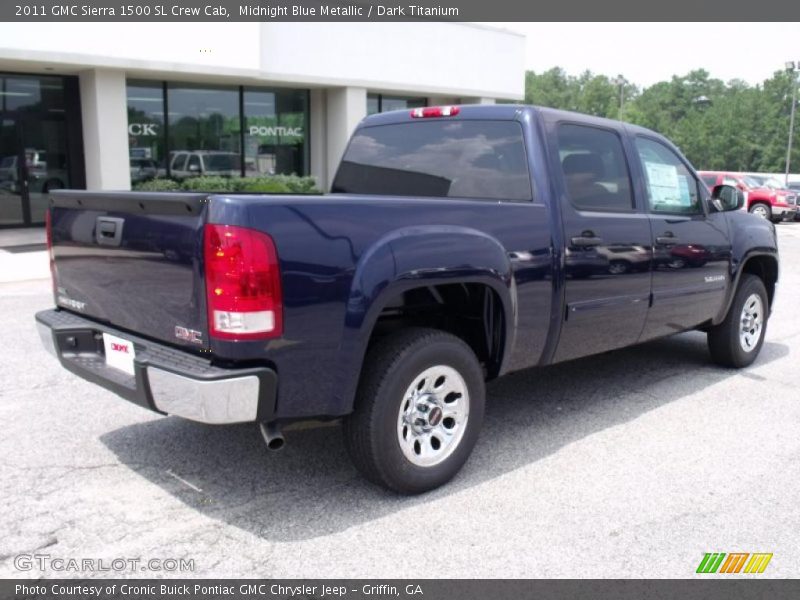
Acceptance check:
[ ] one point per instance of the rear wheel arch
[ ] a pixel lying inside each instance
(395, 267)
(478, 311)
(376, 324)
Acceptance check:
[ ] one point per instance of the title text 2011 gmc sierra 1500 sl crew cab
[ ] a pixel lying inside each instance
(459, 244)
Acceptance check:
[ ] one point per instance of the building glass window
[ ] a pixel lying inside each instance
(146, 133)
(275, 130)
(373, 104)
(215, 131)
(31, 93)
(40, 144)
(204, 121)
(378, 103)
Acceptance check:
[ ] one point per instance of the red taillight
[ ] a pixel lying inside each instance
(243, 284)
(48, 228)
(435, 111)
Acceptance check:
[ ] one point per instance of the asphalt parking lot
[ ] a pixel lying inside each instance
(629, 464)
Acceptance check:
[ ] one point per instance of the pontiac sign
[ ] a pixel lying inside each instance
(264, 130)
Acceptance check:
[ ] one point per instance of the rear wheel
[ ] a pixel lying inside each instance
(618, 267)
(418, 411)
(762, 210)
(737, 341)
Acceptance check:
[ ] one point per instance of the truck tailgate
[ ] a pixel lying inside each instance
(132, 260)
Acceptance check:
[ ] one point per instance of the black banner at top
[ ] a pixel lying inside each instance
(713, 11)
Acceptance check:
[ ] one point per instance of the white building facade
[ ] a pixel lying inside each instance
(105, 105)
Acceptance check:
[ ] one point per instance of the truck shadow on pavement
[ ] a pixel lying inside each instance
(310, 488)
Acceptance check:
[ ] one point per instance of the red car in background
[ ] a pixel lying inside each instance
(775, 205)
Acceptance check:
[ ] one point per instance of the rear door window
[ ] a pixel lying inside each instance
(595, 171)
(446, 159)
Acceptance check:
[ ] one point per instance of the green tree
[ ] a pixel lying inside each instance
(722, 126)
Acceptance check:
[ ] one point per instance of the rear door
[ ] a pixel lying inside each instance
(607, 239)
(691, 246)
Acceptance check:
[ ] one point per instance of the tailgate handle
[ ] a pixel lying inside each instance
(108, 231)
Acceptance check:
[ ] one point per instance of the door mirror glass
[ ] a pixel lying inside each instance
(727, 197)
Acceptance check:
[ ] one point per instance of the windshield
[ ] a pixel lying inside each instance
(773, 184)
(750, 182)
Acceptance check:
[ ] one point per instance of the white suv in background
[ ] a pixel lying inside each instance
(195, 163)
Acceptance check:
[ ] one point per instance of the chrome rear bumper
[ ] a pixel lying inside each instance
(165, 379)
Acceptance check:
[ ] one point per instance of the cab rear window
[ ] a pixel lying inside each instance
(443, 159)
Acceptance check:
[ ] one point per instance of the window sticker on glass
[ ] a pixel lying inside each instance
(685, 194)
(665, 187)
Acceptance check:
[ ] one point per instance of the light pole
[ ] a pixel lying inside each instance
(791, 66)
(620, 81)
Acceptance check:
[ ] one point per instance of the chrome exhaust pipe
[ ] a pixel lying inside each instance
(273, 436)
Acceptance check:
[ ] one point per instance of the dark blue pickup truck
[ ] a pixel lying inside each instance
(458, 244)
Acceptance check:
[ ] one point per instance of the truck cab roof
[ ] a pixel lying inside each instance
(510, 112)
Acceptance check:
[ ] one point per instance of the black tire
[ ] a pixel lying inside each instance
(763, 205)
(371, 431)
(723, 339)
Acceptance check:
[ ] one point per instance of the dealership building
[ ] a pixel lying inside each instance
(103, 106)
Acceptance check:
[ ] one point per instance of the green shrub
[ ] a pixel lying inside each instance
(208, 184)
(157, 185)
(263, 185)
(274, 184)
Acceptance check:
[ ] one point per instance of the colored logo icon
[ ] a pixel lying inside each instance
(735, 562)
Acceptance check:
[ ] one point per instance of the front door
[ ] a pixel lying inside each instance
(607, 238)
(691, 246)
(33, 162)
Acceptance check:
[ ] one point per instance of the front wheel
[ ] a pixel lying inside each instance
(737, 341)
(762, 210)
(419, 410)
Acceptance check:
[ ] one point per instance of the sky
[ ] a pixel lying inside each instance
(646, 53)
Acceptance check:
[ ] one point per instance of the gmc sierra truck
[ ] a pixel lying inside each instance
(459, 243)
(774, 204)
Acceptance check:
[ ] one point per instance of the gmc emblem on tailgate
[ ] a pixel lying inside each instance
(188, 335)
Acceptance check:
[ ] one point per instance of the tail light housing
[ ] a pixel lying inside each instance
(243, 284)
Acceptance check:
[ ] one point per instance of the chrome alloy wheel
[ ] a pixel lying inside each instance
(433, 416)
(752, 322)
(760, 211)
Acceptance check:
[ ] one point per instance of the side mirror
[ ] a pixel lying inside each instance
(727, 197)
